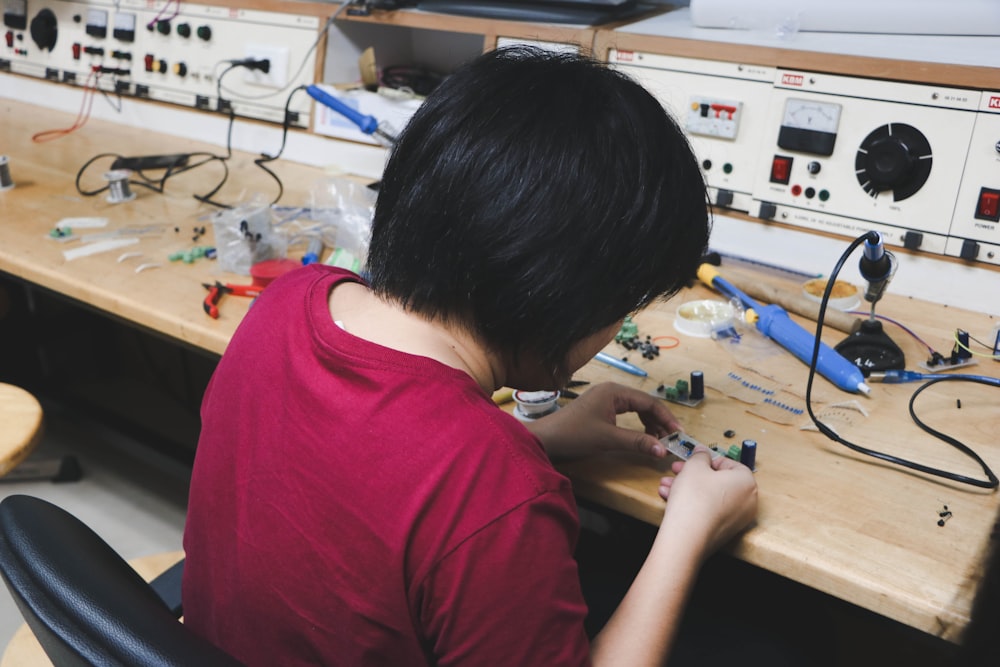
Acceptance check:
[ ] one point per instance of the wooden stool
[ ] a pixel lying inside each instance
(21, 430)
(25, 651)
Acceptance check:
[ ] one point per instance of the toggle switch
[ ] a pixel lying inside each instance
(781, 169)
(988, 206)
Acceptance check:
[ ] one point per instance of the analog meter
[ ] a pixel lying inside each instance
(97, 23)
(124, 27)
(15, 14)
(809, 126)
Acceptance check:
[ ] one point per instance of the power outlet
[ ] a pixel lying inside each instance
(277, 73)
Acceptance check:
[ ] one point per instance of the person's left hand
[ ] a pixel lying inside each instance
(588, 425)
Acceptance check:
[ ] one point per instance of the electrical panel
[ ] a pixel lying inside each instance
(840, 154)
(167, 51)
(720, 105)
(847, 155)
(975, 227)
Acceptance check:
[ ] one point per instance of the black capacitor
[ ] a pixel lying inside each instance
(748, 453)
(697, 390)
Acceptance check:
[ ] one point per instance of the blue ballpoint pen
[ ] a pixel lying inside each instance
(606, 358)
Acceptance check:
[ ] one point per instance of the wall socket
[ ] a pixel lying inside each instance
(277, 73)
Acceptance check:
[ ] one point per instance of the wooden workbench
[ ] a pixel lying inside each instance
(859, 529)
(168, 299)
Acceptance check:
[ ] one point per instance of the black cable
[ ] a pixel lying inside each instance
(159, 185)
(990, 482)
(264, 157)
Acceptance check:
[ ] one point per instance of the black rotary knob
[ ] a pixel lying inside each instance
(44, 29)
(894, 157)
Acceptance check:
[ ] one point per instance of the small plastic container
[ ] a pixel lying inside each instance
(843, 296)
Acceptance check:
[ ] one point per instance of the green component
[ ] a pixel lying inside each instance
(733, 452)
(683, 388)
(670, 393)
(629, 329)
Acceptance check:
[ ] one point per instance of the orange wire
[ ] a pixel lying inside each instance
(89, 92)
(677, 341)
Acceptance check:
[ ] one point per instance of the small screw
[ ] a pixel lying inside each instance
(729, 433)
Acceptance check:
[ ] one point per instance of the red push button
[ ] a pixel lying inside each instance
(988, 207)
(781, 169)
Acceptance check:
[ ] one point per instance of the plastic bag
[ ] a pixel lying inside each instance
(245, 235)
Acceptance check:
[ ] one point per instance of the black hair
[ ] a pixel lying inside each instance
(537, 198)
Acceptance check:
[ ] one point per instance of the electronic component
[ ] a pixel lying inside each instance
(151, 162)
(682, 445)
(748, 454)
(684, 392)
(960, 357)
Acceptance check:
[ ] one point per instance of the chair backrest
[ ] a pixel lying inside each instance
(82, 601)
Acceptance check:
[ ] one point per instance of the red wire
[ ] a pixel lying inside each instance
(89, 92)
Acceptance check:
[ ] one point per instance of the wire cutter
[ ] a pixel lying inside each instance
(216, 290)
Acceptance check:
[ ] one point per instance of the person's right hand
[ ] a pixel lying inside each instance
(713, 499)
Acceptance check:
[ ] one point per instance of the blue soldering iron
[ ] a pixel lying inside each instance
(773, 322)
(366, 123)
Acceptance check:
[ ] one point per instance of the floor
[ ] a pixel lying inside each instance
(132, 497)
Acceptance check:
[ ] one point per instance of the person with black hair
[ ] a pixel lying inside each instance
(357, 497)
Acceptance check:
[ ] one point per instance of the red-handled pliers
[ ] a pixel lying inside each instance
(215, 292)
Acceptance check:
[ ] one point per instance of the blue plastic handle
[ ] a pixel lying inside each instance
(774, 323)
(367, 124)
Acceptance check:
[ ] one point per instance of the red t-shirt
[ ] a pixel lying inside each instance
(355, 505)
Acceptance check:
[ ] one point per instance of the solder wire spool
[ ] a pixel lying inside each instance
(704, 318)
(532, 405)
(118, 188)
(6, 182)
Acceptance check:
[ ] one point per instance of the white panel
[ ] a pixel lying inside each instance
(176, 52)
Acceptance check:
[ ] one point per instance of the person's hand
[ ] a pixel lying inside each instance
(587, 426)
(709, 499)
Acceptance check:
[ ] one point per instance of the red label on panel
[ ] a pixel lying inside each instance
(994, 102)
(792, 79)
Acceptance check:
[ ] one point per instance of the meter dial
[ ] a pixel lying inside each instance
(811, 115)
(124, 27)
(893, 157)
(15, 14)
(809, 126)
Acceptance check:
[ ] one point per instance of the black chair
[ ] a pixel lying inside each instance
(84, 603)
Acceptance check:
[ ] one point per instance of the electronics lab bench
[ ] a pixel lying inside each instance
(848, 525)
(860, 529)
